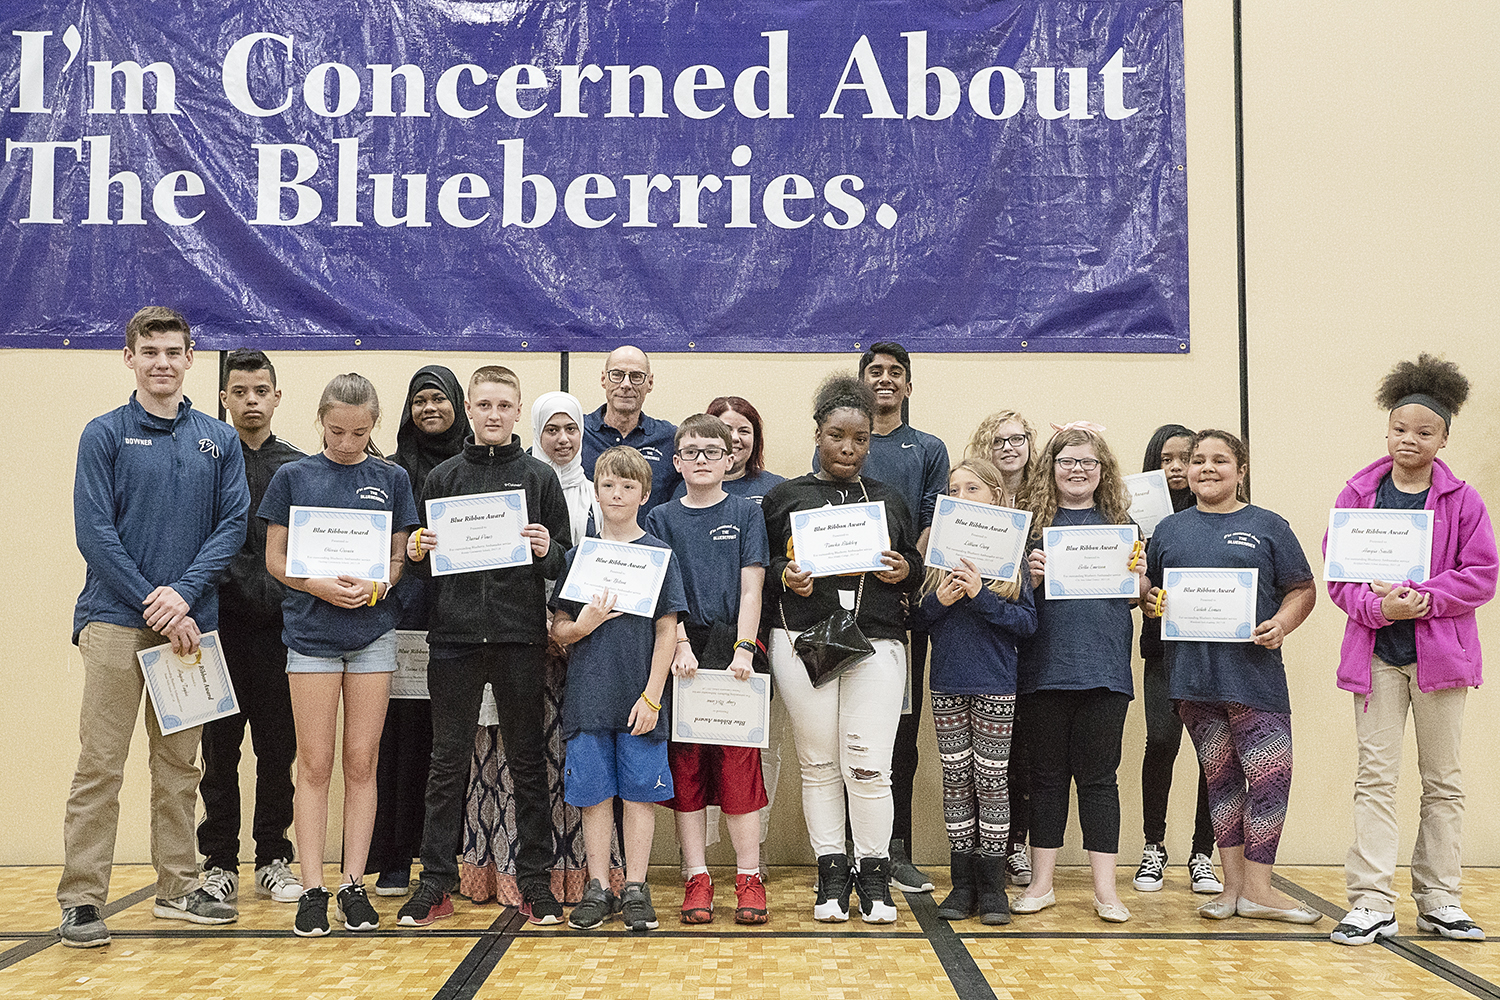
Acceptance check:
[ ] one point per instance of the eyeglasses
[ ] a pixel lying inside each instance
(693, 454)
(618, 375)
(1015, 441)
(1068, 464)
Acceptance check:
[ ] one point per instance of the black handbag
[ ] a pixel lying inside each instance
(834, 644)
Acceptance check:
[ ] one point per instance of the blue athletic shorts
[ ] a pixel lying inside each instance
(601, 765)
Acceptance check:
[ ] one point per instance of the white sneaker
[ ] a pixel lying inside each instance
(1148, 877)
(1201, 871)
(1451, 922)
(221, 884)
(275, 879)
(1362, 925)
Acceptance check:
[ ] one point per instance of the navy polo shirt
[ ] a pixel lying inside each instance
(652, 438)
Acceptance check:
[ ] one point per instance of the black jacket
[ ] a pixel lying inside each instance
(248, 593)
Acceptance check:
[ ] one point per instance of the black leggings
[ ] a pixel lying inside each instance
(1074, 738)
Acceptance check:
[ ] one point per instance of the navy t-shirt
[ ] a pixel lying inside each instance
(1396, 643)
(312, 626)
(1078, 645)
(753, 488)
(608, 668)
(1250, 538)
(710, 546)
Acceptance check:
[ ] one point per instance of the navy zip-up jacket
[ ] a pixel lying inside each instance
(156, 502)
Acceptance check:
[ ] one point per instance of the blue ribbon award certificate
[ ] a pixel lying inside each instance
(712, 707)
(632, 573)
(1392, 546)
(332, 541)
(479, 531)
(1150, 500)
(992, 538)
(1089, 561)
(830, 541)
(1209, 605)
(410, 679)
(187, 692)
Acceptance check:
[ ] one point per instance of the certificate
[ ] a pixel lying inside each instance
(1388, 545)
(188, 692)
(712, 707)
(410, 679)
(830, 541)
(479, 531)
(331, 541)
(1209, 605)
(632, 573)
(1150, 500)
(992, 538)
(1089, 561)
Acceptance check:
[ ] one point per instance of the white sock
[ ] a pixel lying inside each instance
(748, 871)
(700, 870)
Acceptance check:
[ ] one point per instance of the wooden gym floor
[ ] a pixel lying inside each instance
(1166, 950)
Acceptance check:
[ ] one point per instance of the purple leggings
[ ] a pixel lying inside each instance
(1246, 755)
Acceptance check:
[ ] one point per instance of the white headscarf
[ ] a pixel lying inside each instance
(575, 482)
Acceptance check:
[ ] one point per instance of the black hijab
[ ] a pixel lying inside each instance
(1181, 499)
(419, 453)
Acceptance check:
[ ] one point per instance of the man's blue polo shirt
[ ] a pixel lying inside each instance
(652, 438)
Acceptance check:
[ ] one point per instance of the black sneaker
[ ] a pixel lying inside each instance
(834, 883)
(428, 904)
(1148, 877)
(83, 927)
(541, 907)
(874, 884)
(635, 907)
(905, 875)
(354, 909)
(1018, 865)
(593, 909)
(312, 913)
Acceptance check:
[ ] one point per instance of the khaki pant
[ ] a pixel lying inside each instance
(1380, 725)
(112, 689)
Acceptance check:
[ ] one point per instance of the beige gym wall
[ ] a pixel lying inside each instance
(1370, 236)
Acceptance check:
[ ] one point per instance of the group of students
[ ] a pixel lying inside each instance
(1029, 696)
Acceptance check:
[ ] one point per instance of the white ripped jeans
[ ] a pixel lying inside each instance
(844, 732)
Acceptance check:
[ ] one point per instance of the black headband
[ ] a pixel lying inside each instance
(1422, 399)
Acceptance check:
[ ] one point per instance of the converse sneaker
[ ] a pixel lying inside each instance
(354, 909)
(1201, 872)
(1362, 925)
(221, 884)
(1018, 866)
(635, 907)
(428, 904)
(593, 909)
(834, 883)
(393, 883)
(197, 906)
(83, 927)
(749, 899)
(1148, 877)
(873, 881)
(698, 899)
(539, 906)
(275, 879)
(1451, 922)
(312, 913)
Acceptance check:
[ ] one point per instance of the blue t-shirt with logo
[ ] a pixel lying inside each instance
(312, 626)
(1249, 538)
(711, 545)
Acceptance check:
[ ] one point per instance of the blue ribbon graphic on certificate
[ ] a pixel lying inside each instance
(1089, 561)
(187, 692)
(478, 531)
(632, 573)
(1209, 605)
(849, 538)
(333, 541)
(992, 538)
(1392, 546)
(712, 707)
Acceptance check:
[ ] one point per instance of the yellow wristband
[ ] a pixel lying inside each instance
(374, 593)
(1161, 600)
(654, 706)
(419, 543)
(783, 577)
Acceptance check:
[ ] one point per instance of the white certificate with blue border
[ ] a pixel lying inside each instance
(1209, 605)
(1150, 499)
(410, 679)
(187, 692)
(479, 531)
(1089, 561)
(632, 573)
(333, 541)
(1392, 546)
(712, 707)
(992, 538)
(849, 538)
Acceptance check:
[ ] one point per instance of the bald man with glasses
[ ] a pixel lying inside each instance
(626, 380)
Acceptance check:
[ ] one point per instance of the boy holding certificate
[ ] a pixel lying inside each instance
(489, 626)
(719, 543)
(612, 707)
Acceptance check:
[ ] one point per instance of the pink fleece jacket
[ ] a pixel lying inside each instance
(1464, 570)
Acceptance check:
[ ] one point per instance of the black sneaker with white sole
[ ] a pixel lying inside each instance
(1363, 925)
(1148, 877)
(354, 909)
(904, 875)
(312, 913)
(1201, 874)
(873, 882)
(834, 882)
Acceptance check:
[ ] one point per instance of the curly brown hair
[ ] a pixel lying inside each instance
(1429, 375)
(1111, 498)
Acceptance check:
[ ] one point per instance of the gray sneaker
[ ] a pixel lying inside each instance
(221, 884)
(275, 879)
(905, 875)
(198, 907)
(83, 927)
(635, 907)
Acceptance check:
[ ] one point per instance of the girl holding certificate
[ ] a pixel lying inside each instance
(974, 626)
(1073, 677)
(1413, 647)
(1232, 694)
(341, 640)
(845, 730)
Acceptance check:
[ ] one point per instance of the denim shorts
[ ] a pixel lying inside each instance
(379, 657)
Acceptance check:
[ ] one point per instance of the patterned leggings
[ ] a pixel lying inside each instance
(1247, 759)
(973, 736)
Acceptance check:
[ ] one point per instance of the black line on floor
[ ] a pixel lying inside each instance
(963, 972)
(481, 960)
(1400, 945)
(47, 939)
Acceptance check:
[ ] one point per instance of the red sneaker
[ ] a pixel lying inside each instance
(749, 899)
(698, 899)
